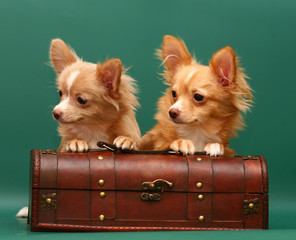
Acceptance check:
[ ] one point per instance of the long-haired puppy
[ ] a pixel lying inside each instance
(202, 106)
(97, 102)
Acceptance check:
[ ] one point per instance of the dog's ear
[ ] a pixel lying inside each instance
(223, 65)
(61, 56)
(109, 73)
(174, 53)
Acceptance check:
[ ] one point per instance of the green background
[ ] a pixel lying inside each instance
(262, 32)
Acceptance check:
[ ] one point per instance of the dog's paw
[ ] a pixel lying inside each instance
(184, 146)
(214, 149)
(23, 213)
(124, 143)
(76, 146)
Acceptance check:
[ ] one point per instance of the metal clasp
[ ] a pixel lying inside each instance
(150, 196)
(156, 185)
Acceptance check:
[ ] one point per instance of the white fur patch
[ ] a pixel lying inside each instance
(23, 213)
(77, 146)
(214, 149)
(190, 76)
(124, 142)
(71, 79)
(183, 145)
(199, 136)
(63, 105)
(222, 74)
(177, 105)
(168, 56)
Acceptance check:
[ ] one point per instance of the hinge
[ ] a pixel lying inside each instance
(49, 151)
(249, 157)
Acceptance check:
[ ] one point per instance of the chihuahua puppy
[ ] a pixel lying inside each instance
(201, 108)
(97, 102)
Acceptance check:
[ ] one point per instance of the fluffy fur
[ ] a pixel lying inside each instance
(97, 102)
(201, 108)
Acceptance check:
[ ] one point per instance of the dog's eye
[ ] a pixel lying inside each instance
(174, 94)
(81, 100)
(198, 97)
(60, 93)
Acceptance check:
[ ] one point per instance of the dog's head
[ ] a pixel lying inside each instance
(87, 91)
(197, 92)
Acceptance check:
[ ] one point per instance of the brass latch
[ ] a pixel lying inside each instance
(156, 185)
(150, 196)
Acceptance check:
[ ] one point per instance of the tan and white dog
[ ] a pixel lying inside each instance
(201, 108)
(97, 102)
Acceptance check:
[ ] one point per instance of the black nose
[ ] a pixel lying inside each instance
(174, 113)
(57, 114)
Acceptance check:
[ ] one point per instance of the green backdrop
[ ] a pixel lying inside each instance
(262, 32)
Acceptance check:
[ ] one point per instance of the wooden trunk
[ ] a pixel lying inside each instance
(106, 191)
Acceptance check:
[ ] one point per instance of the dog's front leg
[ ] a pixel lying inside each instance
(124, 142)
(214, 149)
(183, 145)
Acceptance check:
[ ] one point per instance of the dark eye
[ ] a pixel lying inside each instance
(198, 97)
(81, 100)
(60, 93)
(174, 94)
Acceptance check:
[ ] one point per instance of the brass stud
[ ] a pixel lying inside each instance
(100, 157)
(48, 200)
(199, 185)
(199, 159)
(102, 218)
(101, 182)
(201, 218)
(200, 197)
(102, 194)
(251, 205)
(151, 196)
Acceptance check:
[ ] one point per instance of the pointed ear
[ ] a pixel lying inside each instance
(174, 53)
(223, 64)
(109, 73)
(61, 56)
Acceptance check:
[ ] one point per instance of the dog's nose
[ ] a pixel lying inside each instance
(57, 114)
(174, 113)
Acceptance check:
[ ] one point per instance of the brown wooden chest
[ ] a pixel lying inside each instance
(107, 191)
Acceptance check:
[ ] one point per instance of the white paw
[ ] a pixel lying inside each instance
(23, 213)
(214, 149)
(184, 146)
(76, 146)
(124, 143)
